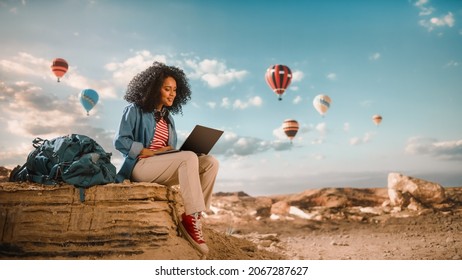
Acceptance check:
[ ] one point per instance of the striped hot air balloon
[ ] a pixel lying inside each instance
(278, 78)
(322, 103)
(88, 99)
(59, 67)
(377, 119)
(290, 128)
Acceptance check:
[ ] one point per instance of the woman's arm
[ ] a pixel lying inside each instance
(125, 138)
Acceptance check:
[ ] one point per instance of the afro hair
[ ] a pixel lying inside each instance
(144, 89)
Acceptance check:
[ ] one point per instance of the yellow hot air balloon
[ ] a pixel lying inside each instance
(322, 103)
(290, 128)
(377, 119)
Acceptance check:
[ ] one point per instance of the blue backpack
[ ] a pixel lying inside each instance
(74, 159)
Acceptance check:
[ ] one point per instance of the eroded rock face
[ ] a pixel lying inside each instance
(402, 188)
(43, 221)
(337, 198)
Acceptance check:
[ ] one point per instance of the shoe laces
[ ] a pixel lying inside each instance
(197, 227)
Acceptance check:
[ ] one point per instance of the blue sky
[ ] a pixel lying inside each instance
(399, 59)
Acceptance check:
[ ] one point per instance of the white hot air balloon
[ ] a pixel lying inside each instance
(322, 103)
(377, 119)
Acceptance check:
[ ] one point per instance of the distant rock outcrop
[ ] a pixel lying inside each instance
(405, 191)
(4, 173)
(338, 197)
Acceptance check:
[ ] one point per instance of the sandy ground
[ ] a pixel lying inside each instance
(434, 236)
(430, 234)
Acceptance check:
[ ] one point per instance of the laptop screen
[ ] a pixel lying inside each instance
(201, 140)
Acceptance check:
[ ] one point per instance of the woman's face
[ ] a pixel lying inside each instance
(167, 92)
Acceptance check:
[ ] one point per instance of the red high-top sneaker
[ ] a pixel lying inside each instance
(191, 228)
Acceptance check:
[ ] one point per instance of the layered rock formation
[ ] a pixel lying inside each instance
(51, 221)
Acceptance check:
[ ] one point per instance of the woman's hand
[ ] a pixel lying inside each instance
(149, 153)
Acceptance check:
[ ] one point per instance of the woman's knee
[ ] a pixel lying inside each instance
(189, 156)
(209, 162)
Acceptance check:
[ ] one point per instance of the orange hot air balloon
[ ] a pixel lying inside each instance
(290, 128)
(59, 67)
(278, 78)
(377, 119)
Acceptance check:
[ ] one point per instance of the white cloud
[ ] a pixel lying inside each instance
(225, 102)
(321, 128)
(366, 103)
(443, 21)
(297, 99)
(233, 145)
(123, 72)
(449, 150)
(452, 63)
(15, 155)
(346, 127)
(279, 133)
(212, 105)
(25, 64)
(422, 6)
(354, 141)
(425, 10)
(255, 101)
(332, 76)
(421, 3)
(374, 56)
(297, 76)
(213, 72)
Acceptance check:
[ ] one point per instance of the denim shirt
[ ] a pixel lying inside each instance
(135, 132)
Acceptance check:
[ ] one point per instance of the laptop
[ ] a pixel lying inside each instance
(200, 141)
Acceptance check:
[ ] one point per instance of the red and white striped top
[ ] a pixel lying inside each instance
(160, 135)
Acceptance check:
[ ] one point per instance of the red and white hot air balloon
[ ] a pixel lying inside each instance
(278, 78)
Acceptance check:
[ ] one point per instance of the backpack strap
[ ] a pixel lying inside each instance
(37, 142)
(82, 194)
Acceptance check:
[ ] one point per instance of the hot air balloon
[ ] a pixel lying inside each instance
(322, 103)
(278, 78)
(59, 67)
(377, 119)
(290, 128)
(88, 99)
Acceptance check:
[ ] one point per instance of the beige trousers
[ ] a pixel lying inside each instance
(195, 174)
